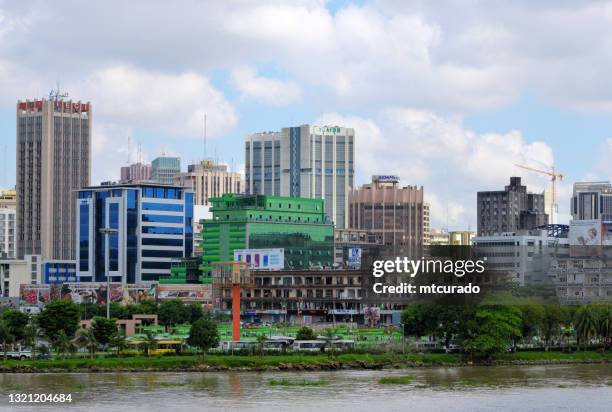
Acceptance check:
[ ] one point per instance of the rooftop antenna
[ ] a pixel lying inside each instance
(128, 151)
(204, 136)
(57, 94)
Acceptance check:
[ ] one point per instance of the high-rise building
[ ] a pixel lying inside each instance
(8, 199)
(592, 200)
(164, 168)
(393, 213)
(304, 161)
(136, 172)
(53, 160)
(7, 234)
(153, 225)
(296, 225)
(208, 180)
(460, 238)
(509, 210)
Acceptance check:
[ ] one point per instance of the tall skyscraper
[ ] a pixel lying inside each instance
(135, 172)
(53, 160)
(509, 210)
(164, 168)
(395, 214)
(592, 200)
(304, 161)
(153, 226)
(208, 180)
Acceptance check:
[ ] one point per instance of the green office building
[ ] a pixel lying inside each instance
(298, 225)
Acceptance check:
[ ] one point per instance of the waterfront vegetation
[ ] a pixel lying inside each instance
(395, 380)
(294, 361)
(477, 334)
(297, 382)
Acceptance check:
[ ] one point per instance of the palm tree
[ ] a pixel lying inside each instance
(6, 337)
(605, 325)
(118, 342)
(30, 337)
(585, 324)
(85, 338)
(63, 344)
(149, 342)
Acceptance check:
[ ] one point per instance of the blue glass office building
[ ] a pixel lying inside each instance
(153, 223)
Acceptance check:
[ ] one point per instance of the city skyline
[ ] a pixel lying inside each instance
(486, 89)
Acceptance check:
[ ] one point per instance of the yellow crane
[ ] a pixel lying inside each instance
(553, 179)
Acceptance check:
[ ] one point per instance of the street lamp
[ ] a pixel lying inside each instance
(106, 231)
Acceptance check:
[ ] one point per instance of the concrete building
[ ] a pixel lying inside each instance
(526, 256)
(7, 233)
(460, 238)
(509, 210)
(15, 272)
(154, 225)
(306, 161)
(53, 160)
(164, 168)
(8, 199)
(439, 237)
(136, 172)
(394, 214)
(426, 224)
(59, 271)
(591, 200)
(297, 225)
(350, 246)
(208, 180)
(580, 280)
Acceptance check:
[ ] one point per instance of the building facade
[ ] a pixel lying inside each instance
(509, 210)
(580, 280)
(164, 168)
(591, 200)
(460, 238)
(394, 214)
(153, 224)
(525, 257)
(136, 172)
(297, 225)
(8, 199)
(305, 161)
(53, 160)
(8, 233)
(208, 180)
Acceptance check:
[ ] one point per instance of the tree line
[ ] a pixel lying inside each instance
(492, 329)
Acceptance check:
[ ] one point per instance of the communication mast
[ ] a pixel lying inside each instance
(56, 94)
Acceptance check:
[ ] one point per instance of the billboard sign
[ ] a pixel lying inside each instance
(188, 293)
(586, 237)
(261, 259)
(90, 292)
(354, 258)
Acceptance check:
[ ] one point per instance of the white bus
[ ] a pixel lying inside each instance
(309, 345)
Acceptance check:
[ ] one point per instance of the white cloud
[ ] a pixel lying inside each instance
(272, 91)
(439, 153)
(171, 104)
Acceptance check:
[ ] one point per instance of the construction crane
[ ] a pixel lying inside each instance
(553, 179)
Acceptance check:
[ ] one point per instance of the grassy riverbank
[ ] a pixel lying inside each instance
(289, 362)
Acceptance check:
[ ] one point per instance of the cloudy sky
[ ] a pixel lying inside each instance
(446, 94)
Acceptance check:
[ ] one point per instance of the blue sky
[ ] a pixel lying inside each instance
(449, 95)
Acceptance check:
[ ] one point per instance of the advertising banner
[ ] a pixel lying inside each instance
(86, 293)
(191, 293)
(261, 259)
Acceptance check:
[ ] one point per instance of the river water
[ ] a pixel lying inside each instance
(525, 388)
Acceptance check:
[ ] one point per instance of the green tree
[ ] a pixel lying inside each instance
(118, 342)
(305, 333)
(194, 312)
(203, 335)
(605, 325)
(492, 329)
(30, 337)
(118, 311)
(63, 344)
(172, 312)
(585, 324)
(551, 323)
(532, 319)
(16, 321)
(261, 340)
(149, 342)
(91, 310)
(103, 329)
(420, 320)
(85, 338)
(6, 337)
(59, 316)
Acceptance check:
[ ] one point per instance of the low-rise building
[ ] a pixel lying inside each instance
(7, 233)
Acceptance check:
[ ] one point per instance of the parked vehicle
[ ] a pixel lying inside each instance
(19, 354)
(344, 344)
(310, 345)
(232, 345)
